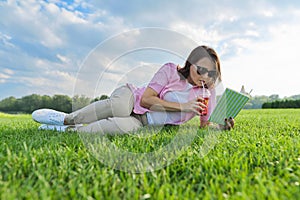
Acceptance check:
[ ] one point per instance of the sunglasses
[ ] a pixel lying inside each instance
(204, 70)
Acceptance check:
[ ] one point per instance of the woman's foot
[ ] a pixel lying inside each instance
(49, 116)
(55, 127)
(64, 128)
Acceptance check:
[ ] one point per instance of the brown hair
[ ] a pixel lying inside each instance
(196, 55)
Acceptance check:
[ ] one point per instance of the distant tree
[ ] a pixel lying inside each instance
(46, 101)
(102, 97)
(286, 103)
(295, 97)
(267, 105)
(80, 102)
(62, 103)
(30, 103)
(274, 97)
(256, 102)
(9, 104)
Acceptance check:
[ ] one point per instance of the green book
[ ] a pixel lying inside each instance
(229, 105)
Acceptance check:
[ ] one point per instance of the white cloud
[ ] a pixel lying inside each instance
(5, 39)
(252, 33)
(198, 33)
(60, 82)
(64, 16)
(268, 13)
(48, 37)
(62, 58)
(8, 71)
(4, 76)
(43, 42)
(269, 67)
(227, 16)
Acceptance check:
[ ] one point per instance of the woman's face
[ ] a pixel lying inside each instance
(203, 71)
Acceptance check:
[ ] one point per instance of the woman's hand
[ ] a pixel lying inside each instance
(229, 124)
(194, 105)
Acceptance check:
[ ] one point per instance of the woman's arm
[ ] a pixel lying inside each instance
(151, 101)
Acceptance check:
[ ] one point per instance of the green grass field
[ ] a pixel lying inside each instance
(259, 159)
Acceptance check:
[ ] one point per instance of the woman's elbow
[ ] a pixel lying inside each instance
(143, 103)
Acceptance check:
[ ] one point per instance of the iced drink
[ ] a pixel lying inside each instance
(204, 111)
(205, 94)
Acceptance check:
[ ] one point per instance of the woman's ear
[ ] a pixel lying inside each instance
(178, 67)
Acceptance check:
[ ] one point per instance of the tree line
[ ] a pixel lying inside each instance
(272, 101)
(282, 104)
(28, 104)
(64, 103)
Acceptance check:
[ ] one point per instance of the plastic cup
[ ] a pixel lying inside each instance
(204, 111)
(205, 94)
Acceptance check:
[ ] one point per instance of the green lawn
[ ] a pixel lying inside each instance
(259, 159)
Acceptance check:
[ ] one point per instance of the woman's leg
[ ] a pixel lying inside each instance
(114, 125)
(120, 104)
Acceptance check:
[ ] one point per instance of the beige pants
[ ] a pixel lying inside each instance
(109, 116)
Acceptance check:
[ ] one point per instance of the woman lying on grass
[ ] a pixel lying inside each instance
(173, 96)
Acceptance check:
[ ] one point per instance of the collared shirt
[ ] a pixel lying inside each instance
(167, 79)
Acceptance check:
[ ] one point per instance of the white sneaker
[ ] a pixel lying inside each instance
(59, 128)
(49, 116)
(53, 127)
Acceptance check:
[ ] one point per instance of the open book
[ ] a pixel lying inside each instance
(229, 105)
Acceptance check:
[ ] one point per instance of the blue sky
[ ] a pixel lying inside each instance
(45, 44)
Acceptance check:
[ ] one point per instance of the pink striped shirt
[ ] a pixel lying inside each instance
(167, 79)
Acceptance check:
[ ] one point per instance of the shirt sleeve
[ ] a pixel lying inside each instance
(161, 78)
